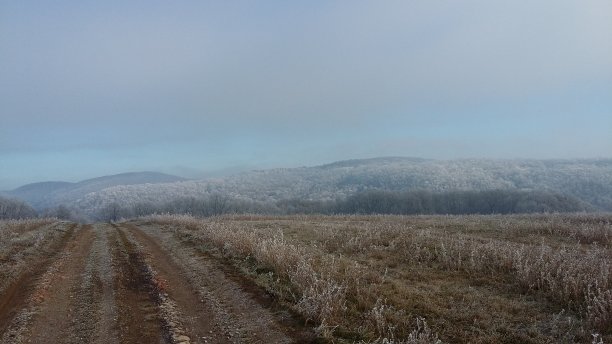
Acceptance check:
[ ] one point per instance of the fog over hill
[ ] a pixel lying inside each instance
(48, 194)
(589, 181)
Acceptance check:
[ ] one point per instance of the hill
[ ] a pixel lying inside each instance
(589, 181)
(48, 194)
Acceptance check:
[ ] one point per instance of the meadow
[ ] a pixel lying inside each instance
(423, 279)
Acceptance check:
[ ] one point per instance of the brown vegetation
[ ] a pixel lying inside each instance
(420, 279)
(19, 241)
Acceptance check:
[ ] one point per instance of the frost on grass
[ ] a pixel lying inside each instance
(375, 279)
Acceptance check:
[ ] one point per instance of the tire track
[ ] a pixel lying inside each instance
(185, 313)
(107, 330)
(15, 297)
(119, 284)
(238, 317)
(50, 313)
(61, 316)
(94, 299)
(138, 313)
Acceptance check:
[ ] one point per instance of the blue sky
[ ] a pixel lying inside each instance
(89, 88)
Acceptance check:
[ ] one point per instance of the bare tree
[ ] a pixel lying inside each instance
(15, 209)
(111, 212)
(218, 204)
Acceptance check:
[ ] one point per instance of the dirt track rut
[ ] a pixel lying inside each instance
(128, 284)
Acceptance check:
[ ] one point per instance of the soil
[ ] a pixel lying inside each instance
(108, 283)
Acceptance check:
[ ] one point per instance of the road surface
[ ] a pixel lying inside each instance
(110, 283)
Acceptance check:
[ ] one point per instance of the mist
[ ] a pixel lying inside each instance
(194, 88)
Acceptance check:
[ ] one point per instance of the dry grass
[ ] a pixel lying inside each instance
(19, 241)
(398, 279)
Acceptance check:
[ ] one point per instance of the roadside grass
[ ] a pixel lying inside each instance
(425, 279)
(20, 240)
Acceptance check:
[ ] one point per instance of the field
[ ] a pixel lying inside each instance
(23, 245)
(337, 279)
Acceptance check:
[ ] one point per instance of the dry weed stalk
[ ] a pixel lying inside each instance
(565, 257)
(19, 241)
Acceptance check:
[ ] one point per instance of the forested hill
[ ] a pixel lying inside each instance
(587, 181)
(49, 194)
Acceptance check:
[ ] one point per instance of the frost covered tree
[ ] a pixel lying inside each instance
(15, 209)
(112, 212)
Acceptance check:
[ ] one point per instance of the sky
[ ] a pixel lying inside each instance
(90, 88)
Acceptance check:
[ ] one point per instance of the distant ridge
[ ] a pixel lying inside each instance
(131, 178)
(43, 186)
(587, 180)
(372, 161)
(47, 194)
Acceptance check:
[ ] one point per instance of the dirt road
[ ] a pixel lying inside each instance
(128, 284)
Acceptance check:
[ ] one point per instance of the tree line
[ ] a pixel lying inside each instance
(14, 209)
(459, 202)
(11, 209)
(368, 202)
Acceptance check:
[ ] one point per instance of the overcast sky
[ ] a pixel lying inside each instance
(89, 88)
